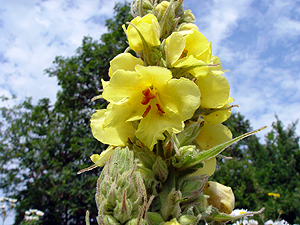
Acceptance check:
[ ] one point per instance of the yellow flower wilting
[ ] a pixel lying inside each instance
(209, 137)
(148, 27)
(220, 196)
(149, 94)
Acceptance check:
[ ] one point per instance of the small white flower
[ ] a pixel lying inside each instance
(280, 222)
(2, 206)
(39, 213)
(27, 213)
(12, 200)
(238, 212)
(253, 222)
(35, 218)
(2, 199)
(28, 218)
(32, 210)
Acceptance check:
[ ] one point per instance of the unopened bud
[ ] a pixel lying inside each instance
(160, 170)
(188, 17)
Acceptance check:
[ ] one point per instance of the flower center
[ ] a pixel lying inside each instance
(150, 93)
(184, 53)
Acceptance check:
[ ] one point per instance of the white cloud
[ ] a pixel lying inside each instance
(34, 32)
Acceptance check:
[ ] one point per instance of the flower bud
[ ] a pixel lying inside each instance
(220, 196)
(161, 8)
(154, 218)
(160, 170)
(187, 27)
(143, 31)
(188, 17)
(120, 189)
(189, 219)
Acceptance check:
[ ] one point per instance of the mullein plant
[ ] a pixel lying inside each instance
(163, 125)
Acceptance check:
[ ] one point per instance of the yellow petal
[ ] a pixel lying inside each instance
(212, 135)
(175, 46)
(180, 96)
(219, 116)
(171, 222)
(196, 43)
(220, 196)
(122, 85)
(214, 90)
(152, 126)
(209, 168)
(153, 75)
(124, 61)
(111, 135)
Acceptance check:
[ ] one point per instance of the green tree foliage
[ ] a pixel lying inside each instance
(260, 168)
(44, 145)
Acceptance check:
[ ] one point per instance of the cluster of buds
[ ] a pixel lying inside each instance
(167, 100)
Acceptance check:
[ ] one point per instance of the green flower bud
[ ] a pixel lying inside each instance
(160, 9)
(171, 205)
(192, 186)
(160, 170)
(189, 220)
(137, 221)
(120, 189)
(154, 218)
(139, 9)
(189, 133)
(188, 17)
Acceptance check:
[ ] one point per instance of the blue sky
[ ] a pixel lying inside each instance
(258, 41)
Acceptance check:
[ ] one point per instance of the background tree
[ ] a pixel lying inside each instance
(44, 145)
(260, 168)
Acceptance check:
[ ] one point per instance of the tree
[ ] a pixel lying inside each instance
(44, 145)
(261, 168)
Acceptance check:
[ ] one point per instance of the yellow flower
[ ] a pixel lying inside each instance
(220, 115)
(171, 222)
(220, 196)
(124, 61)
(214, 90)
(113, 135)
(209, 137)
(275, 195)
(190, 49)
(148, 27)
(151, 95)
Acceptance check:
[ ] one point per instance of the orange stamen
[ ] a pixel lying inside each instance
(148, 95)
(160, 108)
(146, 111)
(184, 53)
